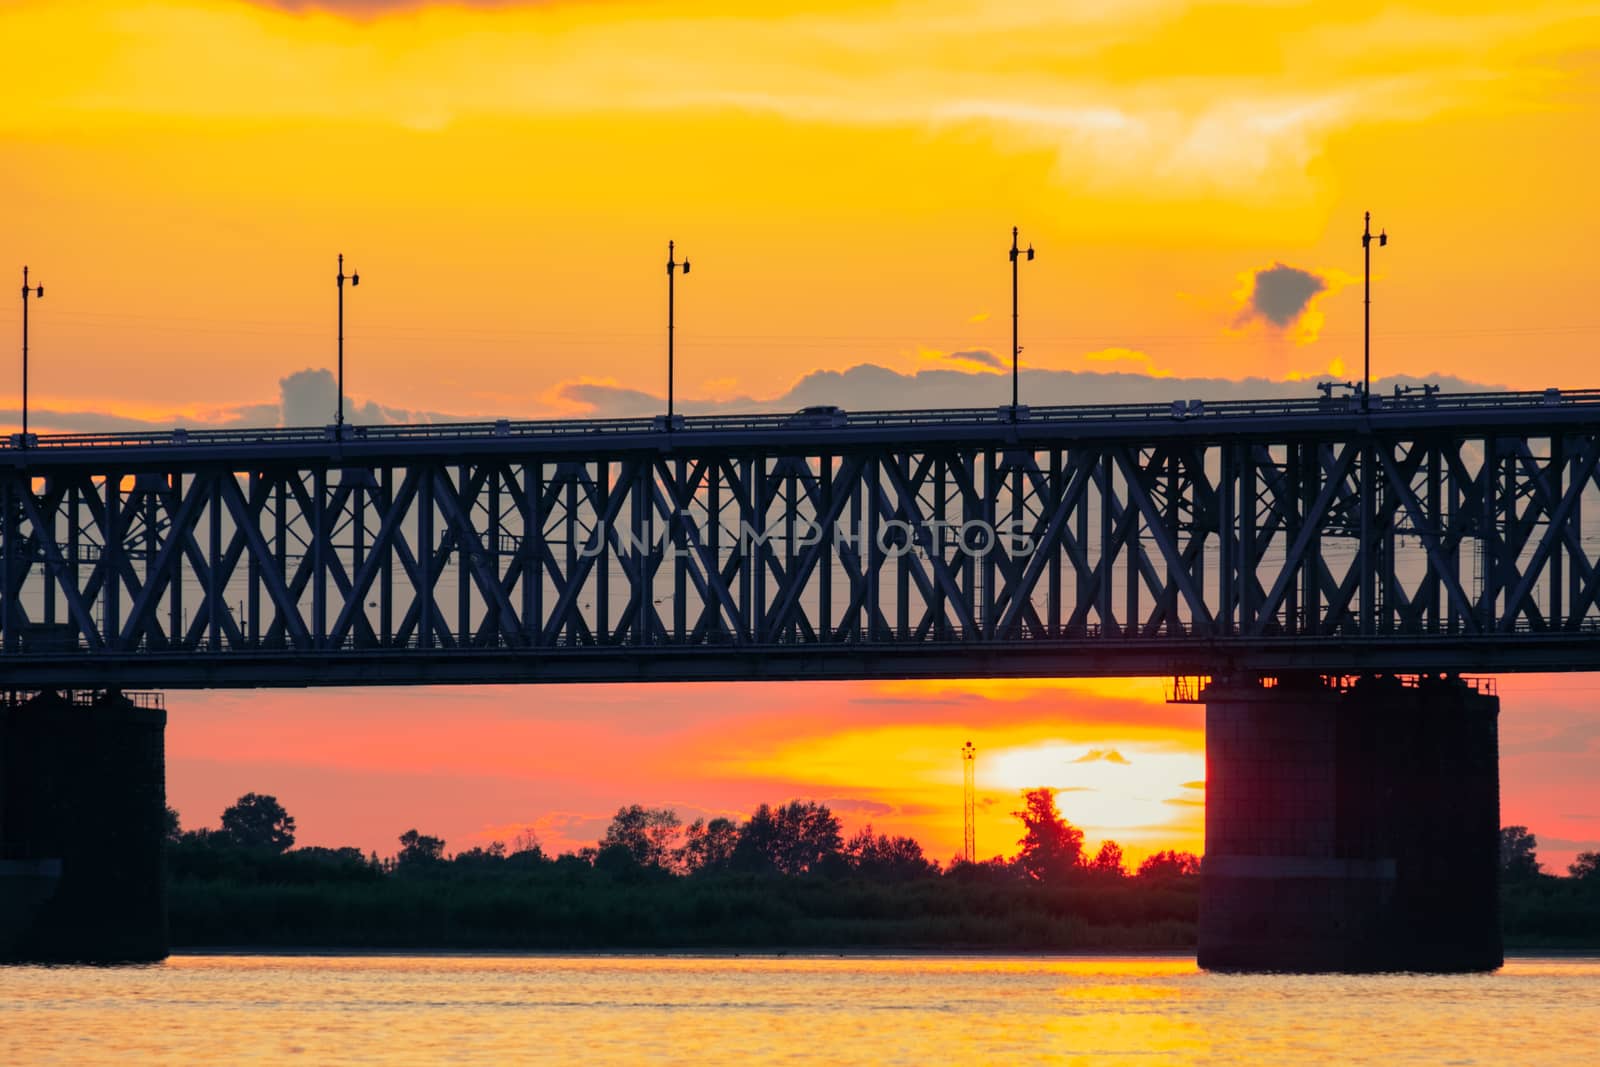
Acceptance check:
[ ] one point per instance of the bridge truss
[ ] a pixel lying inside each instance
(1440, 535)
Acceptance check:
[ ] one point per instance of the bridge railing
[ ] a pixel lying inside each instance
(1184, 410)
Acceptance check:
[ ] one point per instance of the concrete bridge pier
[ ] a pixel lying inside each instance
(82, 816)
(1351, 827)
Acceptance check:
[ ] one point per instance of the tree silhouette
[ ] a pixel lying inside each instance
(1586, 867)
(1052, 848)
(801, 837)
(648, 835)
(1169, 864)
(707, 846)
(886, 858)
(419, 850)
(1108, 861)
(259, 822)
(1519, 861)
(479, 858)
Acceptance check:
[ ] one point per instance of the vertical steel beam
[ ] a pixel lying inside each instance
(1368, 565)
(430, 555)
(255, 485)
(464, 627)
(1434, 580)
(111, 618)
(215, 595)
(280, 527)
(1057, 489)
(1227, 546)
(319, 564)
(824, 570)
(8, 529)
(1108, 547)
(75, 538)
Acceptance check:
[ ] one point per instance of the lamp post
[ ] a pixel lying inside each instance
(1366, 314)
(37, 292)
(1016, 349)
(672, 272)
(355, 279)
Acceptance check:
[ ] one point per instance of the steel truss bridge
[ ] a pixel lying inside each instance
(1439, 533)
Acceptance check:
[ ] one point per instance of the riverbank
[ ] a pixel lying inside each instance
(732, 914)
(727, 913)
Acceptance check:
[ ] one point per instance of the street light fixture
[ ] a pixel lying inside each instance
(1366, 316)
(37, 293)
(355, 279)
(1016, 349)
(672, 270)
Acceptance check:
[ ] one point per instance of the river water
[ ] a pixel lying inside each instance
(760, 1010)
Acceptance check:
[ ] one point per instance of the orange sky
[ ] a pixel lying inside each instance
(180, 173)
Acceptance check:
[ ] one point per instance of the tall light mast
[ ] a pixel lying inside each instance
(969, 843)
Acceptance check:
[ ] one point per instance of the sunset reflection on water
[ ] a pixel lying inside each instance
(778, 1009)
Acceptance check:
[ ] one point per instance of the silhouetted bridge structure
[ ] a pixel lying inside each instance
(1333, 569)
(1106, 540)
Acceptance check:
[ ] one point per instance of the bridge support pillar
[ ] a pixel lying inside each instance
(82, 816)
(1350, 829)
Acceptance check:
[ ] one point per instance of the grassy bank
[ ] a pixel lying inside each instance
(586, 910)
(545, 913)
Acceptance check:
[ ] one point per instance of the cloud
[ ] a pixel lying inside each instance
(1568, 738)
(858, 807)
(1568, 844)
(378, 7)
(617, 401)
(869, 387)
(982, 357)
(1280, 294)
(1102, 755)
(306, 398)
(1129, 358)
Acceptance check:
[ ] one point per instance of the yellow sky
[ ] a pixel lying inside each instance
(844, 176)
(181, 173)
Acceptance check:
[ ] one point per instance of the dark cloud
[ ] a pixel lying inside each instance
(306, 398)
(1282, 293)
(868, 387)
(615, 401)
(1567, 844)
(858, 806)
(1569, 738)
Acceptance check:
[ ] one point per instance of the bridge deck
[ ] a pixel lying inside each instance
(1436, 532)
